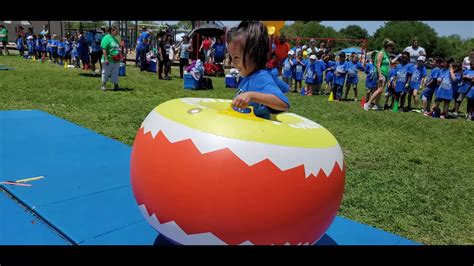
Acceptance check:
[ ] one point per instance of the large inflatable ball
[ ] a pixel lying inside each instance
(204, 174)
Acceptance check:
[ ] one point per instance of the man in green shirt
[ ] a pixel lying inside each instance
(110, 58)
(4, 39)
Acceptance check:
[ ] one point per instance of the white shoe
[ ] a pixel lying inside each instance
(366, 106)
(375, 107)
(455, 114)
(103, 88)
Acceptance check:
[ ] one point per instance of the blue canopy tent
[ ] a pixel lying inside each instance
(351, 50)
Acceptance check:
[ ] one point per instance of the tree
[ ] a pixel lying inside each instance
(403, 33)
(453, 46)
(184, 24)
(354, 32)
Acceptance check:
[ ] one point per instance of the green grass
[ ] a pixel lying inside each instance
(406, 173)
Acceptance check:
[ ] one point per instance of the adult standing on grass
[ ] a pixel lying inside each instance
(110, 58)
(382, 66)
(184, 50)
(415, 51)
(4, 39)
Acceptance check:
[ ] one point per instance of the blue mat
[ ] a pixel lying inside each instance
(18, 226)
(86, 194)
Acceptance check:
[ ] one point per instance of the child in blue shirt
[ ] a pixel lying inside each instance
(371, 78)
(404, 72)
(310, 76)
(67, 49)
(299, 71)
(30, 43)
(470, 92)
(431, 84)
(447, 80)
(61, 51)
(38, 46)
(20, 46)
(352, 75)
(288, 68)
(340, 72)
(390, 90)
(417, 79)
(464, 88)
(54, 48)
(330, 64)
(257, 87)
(320, 67)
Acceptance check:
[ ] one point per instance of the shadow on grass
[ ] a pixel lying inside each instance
(89, 75)
(119, 89)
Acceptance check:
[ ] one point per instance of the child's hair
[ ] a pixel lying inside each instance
(253, 37)
(449, 61)
(407, 54)
(373, 55)
(457, 66)
(342, 55)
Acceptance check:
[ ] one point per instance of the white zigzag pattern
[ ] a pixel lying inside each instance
(313, 159)
(173, 231)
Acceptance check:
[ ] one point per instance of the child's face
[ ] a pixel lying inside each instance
(342, 58)
(420, 63)
(354, 59)
(236, 53)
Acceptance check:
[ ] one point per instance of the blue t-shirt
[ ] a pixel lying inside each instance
(54, 45)
(288, 68)
(219, 50)
(352, 75)
(61, 46)
(19, 44)
(340, 72)
(403, 73)
(264, 82)
(320, 67)
(418, 74)
(446, 87)
(434, 74)
(310, 72)
(31, 46)
(93, 40)
(466, 81)
(299, 70)
(143, 35)
(38, 44)
(67, 47)
(371, 79)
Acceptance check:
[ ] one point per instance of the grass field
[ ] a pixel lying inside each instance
(406, 173)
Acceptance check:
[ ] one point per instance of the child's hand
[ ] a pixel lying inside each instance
(242, 100)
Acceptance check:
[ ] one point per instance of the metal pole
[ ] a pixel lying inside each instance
(61, 24)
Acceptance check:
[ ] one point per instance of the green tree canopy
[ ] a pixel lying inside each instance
(354, 32)
(403, 33)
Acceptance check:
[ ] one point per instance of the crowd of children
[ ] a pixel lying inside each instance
(408, 83)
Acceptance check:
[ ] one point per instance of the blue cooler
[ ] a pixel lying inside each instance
(152, 65)
(190, 83)
(122, 69)
(230, 81)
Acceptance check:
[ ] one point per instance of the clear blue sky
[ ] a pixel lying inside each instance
(465, 29)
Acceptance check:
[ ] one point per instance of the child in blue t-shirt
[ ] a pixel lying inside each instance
(431, 84)
(30, 43)
(447, 81)
(340, 72)
(288, 68)
(470, 92)
(61, 51)
(320, 67)
(67, 49)
(310, 76)
(257, 87)
(38, 46)
(371, 78)
(404, 72)
(417, 79)
(20, 46)
(352, 75)
(54, 48)
(464, 88)
(299, 71)
(390, 90)
(329, 77)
